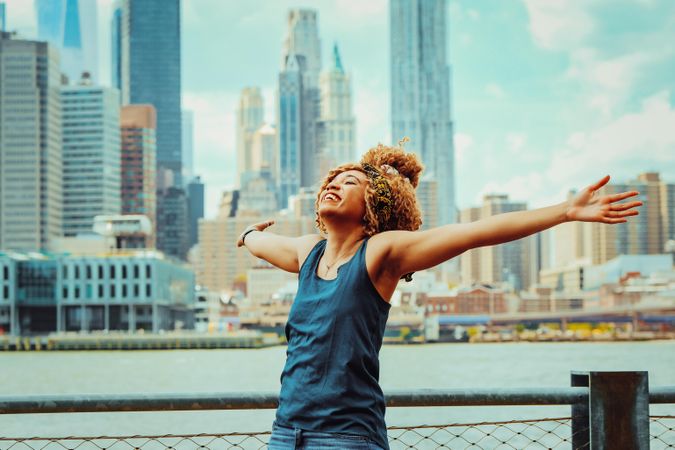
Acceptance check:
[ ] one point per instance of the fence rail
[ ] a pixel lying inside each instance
(609, 410)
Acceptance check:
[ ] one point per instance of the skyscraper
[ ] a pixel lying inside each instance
(116, 46)
(188, 124)
(337, 124)
(91, 155)
(420, 91)
(289, 118)
(31, 195)
(3, 17)
(299, 77)
(151, 72)
(138, 191)
(71, 26)
(195, 191)
(250, 116)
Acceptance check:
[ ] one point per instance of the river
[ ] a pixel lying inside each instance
(502, 365)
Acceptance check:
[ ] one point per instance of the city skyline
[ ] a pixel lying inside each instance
(569, 92)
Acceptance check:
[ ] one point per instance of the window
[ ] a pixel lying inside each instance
(148, 272)
(136, 290)
(136, 271)
(77, 272)
(112, 291)
(148, 291)
(88, 272)
(100, 291)
(112, 272)
(100, 271)
(124, 291)
(124, 272)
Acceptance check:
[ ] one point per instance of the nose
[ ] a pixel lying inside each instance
(332, 185)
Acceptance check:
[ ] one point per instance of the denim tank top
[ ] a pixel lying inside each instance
(334, 332)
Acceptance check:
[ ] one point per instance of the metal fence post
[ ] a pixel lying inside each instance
(581, 436)
(619, 410)
(617, 414)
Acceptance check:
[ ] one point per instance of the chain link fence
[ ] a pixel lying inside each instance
(553, 433)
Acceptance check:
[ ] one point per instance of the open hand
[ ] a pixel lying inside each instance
(256, 226)
(589, 206)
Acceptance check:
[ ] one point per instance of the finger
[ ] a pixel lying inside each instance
(622, 196)
(624, 206)
(615, 214)
(614, 221)
(600, 183)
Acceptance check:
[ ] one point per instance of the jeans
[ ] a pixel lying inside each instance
(284, 438)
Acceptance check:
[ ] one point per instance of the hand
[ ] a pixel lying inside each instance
(589, 206)
(258, 227)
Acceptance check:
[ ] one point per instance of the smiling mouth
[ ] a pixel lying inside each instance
(331, 197)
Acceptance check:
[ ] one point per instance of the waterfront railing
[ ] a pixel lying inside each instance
(608, 410)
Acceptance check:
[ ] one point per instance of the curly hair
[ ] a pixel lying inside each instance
(405, 212)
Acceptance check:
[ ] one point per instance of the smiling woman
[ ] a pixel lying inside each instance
(368, 217)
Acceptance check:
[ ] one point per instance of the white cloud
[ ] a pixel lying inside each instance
(635, 142)
(559, 24)
(463, 142)
(21, 17)
(495, 90)
(609, 79)
(515, 142)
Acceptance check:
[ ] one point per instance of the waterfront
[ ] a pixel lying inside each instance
(403, 367)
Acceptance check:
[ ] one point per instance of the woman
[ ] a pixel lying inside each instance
(368, 214)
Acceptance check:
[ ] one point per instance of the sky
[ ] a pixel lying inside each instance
(547, 95)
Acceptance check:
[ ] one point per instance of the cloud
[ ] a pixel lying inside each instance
(463, 142)
(559, 24)
(609, 79)
(495, 90)
(21, 17)
(635, 142)
(515, 142)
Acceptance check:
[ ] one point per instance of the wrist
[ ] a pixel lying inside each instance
(246, 233)
(566, 210)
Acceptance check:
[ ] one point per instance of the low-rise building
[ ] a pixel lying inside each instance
(44, 293)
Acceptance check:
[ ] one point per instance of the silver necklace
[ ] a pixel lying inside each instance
(329, 266)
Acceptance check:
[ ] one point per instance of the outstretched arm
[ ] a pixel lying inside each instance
(414, 251)
(284, 252)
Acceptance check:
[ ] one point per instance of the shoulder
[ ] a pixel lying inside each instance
(380, 246)
(305, 244)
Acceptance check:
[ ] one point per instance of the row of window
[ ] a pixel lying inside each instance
(112, 291)
(112, 271)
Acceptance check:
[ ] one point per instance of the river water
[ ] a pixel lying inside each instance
(502, 365)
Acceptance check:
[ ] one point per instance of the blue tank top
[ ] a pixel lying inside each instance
(334, 333)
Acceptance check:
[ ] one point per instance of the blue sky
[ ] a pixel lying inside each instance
(547, 95)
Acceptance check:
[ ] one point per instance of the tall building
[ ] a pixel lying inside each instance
(427, 198)
(151, 72)
(572, 241)
(72, 27)
(3, 17)
(138, 124)
(299, 102)
(31, 184)
(420, 91)
(264, 150)
(289, 115)
(641, 235)
(509, 262)
(195, 190)
(116, 46)
(172, 222)
(188, 124)
(91, 155)
(250, 117)
(337, 123)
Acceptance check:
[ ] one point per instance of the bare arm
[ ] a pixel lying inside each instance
(284, 252)
(413, 251)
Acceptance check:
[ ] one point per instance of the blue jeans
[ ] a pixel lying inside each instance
(284, 438)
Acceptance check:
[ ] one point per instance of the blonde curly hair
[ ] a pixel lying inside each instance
(405, 212)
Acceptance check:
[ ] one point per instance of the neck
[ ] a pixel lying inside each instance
(340, 241)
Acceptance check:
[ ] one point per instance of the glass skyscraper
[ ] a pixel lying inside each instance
(3, 17)
(71, 26)
(420, 91)
(151, 72)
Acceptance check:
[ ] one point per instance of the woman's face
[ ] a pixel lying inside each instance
(344, 196)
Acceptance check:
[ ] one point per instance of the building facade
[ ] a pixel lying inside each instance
(250, 117)
(420, 91)
(138, 125)
(91, 155)
(337, 126)
(188, 124)
(72, 27)
(172, 222)
(118, 292)
(31, 184)
(195, 192)
(151, 72)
